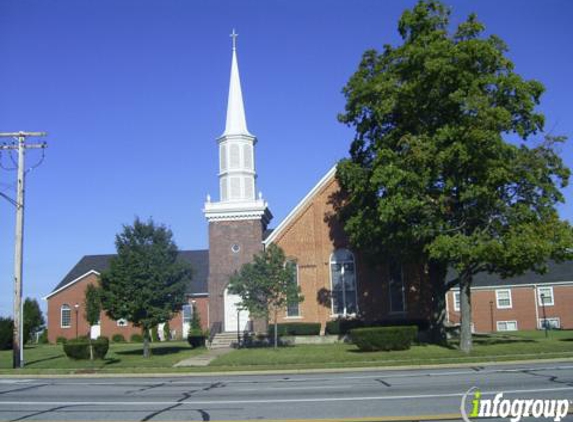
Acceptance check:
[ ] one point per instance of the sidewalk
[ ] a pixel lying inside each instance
(205, 358)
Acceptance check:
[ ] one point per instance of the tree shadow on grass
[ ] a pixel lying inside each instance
(32, 362)
(566, 339)
(488, 339)
(155, 351)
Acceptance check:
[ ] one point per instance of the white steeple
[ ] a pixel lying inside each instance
(237, 175)
(236, 121)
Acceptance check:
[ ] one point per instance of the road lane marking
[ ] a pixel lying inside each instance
(269, 401)
(260, 379)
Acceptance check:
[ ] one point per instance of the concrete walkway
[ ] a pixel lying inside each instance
(205, 358)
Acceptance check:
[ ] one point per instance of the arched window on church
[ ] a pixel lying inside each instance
(65, 316)
(343, 283)
(293, 309)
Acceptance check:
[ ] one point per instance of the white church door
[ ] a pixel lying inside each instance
(232, 303)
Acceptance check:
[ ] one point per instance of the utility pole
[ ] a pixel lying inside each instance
(20, 146)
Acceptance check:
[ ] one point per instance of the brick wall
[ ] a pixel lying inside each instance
(311, 238)
(523, 309)
(75, 294)
(223, 262)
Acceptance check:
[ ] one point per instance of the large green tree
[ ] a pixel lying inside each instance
(33, 318)
(146, 281)
(439, 171)
(267, 285)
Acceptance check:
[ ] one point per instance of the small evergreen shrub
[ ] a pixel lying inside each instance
(166, 331)
(296, 329)
(196, 338)
(6, 333)
(155, 334)
(80, 348)
(118, 338)
(136, 338)
(43, 339)
(384, 338)
(61, 340)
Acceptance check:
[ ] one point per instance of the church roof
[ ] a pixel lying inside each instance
(198, 259)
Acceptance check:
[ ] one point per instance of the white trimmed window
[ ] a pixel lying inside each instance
(503, 299)
(122, 322)
(545, 296)
(456, 300)
(293, 309)
(396, 287)
(551, 323)
(506, 325)
(65, 316)
(343, 283)
(187, 313)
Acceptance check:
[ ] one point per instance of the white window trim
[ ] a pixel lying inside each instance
(458, 302)
(539, 288)
(497, 323)
(352, 314)
(497, 292)
(540, 320)
(298, 316)
(122, 322)
(69, 309)
(403, 310)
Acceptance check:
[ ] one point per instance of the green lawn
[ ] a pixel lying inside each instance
(121, 357)
(127, 358)
(496, 347)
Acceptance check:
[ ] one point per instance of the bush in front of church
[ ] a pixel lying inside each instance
(195, 336)
(80, 348)
(384, 338)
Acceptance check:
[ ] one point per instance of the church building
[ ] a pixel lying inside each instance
(336, 281)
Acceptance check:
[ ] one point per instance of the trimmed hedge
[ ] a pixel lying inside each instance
(384, 338)
(343, 326)
(80, 348)
(61, 340)
(296, 329)
(136, 338)
(118, 338)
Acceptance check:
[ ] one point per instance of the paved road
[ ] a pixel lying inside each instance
(355, 395)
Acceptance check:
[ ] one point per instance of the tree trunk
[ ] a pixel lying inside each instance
(437, 331)
(466, 313)
(276, 331)
(146, 351)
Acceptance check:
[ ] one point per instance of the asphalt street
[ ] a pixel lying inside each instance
(349, 395)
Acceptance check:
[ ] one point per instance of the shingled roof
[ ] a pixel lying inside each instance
(199, 261)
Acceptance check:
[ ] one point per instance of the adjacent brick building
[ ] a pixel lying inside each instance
(526, 302)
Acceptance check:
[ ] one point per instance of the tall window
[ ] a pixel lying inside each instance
(343, 279)
(187, 313)
(456, 300)
(396, 286)
(503, 299)
(545, 296)
(65, 316)
(292, 307)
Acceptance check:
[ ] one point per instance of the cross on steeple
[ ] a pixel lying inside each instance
(234, 36)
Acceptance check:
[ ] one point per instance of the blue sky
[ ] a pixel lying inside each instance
(133, 95)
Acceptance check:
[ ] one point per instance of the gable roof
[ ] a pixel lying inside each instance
(304, 201)
(198, 259)
(556, 272)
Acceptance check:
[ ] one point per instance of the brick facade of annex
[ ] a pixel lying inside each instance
(525, 309)
(75, 294)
